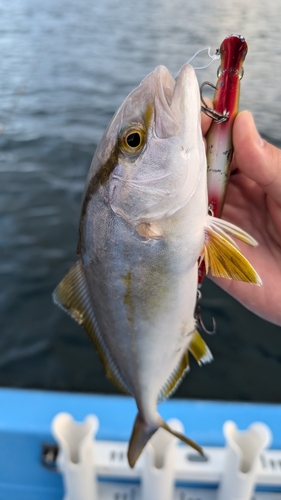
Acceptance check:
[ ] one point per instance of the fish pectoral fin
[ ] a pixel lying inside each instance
(199, 349)
(142, 433)
(226, 229)
(149, 230)
(221, 254)
(72, 295)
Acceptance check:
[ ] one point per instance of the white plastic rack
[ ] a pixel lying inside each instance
(98, 470)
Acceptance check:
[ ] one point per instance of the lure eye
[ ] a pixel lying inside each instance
(132, 139)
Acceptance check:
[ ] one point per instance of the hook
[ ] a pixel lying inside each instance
(199, 319)
(217, 117)
(211, 210)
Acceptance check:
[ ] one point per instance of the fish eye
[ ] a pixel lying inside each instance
(132, 138)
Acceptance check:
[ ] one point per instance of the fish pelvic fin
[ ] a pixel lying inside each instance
(73, 297)
(222, 255)
(142, 433)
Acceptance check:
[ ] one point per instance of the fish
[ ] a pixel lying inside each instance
(233, 51)
(144, 223)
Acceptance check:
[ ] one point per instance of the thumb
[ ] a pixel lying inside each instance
(256, 158)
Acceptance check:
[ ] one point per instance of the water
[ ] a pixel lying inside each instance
(65, 68)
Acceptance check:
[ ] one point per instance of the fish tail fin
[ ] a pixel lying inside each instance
(142, 432)
(183, 438)
(140, 436)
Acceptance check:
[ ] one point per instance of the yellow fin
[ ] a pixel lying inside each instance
(174, 379)
(226, 228)
(199, 349)
(72, 295)
(222, 255)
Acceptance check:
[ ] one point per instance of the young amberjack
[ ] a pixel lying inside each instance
(144, 224)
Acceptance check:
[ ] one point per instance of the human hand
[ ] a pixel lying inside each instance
(253, 202)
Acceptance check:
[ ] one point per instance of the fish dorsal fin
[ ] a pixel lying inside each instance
(72, 295)
(199, 349)
(221, 254)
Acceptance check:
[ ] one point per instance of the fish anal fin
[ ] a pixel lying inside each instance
(224, 259)
(72, 295)
(175, 378)
(199, 349)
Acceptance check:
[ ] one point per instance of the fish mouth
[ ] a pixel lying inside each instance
(175, 101)
(164, 87)
(164, 90)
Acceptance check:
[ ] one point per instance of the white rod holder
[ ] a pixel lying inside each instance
(76, 459)
(158, 464)
(241, 460)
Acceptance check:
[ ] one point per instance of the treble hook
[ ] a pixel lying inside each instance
(199, 319)
(217, 117)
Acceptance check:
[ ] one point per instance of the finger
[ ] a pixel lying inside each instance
(206, 120)
(256, 158)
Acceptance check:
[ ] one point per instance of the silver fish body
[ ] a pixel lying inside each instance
(142, 229)
(143, 286)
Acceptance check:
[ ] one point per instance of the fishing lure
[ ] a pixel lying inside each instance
(233, 51)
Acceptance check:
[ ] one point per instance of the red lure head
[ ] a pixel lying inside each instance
(233, 51)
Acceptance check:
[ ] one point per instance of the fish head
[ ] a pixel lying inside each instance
(156, 147)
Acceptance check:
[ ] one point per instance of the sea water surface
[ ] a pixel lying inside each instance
(65, 68)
